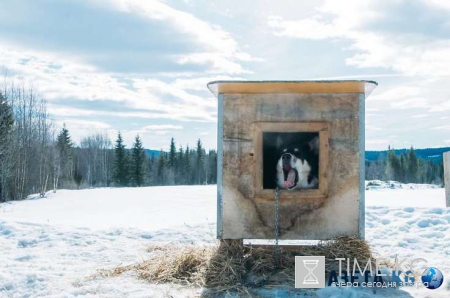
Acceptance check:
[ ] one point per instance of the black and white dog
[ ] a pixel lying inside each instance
(298, 161)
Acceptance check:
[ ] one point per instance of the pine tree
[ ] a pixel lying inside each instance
(181, 167)
(77, 177)
(187, 165)
(152, 169)
(137, 162)
(6, 118)
(65, 149)
(6, 126)
(120, 175)
(393, 167)
(172, 154)
(440, 172)
(429, 172)
(212, 167)
(161, 171)
(200, 162)
(64, 140)
(413, 166)
(404, 168)
(172, 171)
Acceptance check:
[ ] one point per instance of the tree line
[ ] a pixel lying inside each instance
(35, 158)
(182, 166)
(406, 168)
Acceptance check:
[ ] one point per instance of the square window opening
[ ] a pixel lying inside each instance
(291, 160)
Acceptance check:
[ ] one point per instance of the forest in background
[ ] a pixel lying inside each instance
(405, 167)
(35, 157)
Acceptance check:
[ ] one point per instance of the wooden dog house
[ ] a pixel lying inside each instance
(250, 110)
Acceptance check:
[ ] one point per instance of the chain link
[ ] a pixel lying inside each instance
(276, 249)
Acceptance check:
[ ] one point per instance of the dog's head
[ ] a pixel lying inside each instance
(298, 163)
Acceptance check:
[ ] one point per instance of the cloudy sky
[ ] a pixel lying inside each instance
(141, 66)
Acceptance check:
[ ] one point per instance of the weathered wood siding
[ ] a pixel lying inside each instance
(244, 215)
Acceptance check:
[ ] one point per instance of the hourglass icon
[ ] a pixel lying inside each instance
(310, 278)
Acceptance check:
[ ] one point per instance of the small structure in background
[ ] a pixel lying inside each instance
(447, 177)
(305, 138)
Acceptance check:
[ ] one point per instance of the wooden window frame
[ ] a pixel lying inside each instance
(287, 127)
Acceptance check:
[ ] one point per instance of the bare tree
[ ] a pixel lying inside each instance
(44, 148)
(6, 127)
(94, 157)
(26, 153)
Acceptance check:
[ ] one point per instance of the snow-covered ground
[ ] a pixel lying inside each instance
(51, 247)
(378, 184)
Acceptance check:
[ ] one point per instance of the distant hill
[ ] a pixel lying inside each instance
(150, 152)
(433, 154)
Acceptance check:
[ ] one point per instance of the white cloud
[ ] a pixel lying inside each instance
(78, 129)
(442, 127)
(139, 76)
(431, 95)
(372, 127)
(184, 116)
(151, 134)
(410, 53)
(218, 62)
(440, 4)
(199, 84)
(312, 28)
(442, 106)
(212, 36)
(156, 127)
(61, 77)
(411, 110)
(84, 124)
(92, 81)
(78, 81)
(220, 50)
(412, 102)
(420, 116)
(379, 144)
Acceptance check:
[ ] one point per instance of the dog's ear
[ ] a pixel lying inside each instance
(314, 145)
(279, 142)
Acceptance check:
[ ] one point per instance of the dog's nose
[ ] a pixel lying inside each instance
(286, 156)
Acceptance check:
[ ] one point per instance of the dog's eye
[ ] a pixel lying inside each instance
(296, 149)
(284, 150)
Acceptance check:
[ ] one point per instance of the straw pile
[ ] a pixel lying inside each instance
(233, 267)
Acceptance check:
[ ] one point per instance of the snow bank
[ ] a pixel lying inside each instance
(146, 208)
(378, 184)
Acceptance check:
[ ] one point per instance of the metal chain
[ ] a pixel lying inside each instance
(276, 248)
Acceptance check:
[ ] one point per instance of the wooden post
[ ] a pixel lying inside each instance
(447, 176)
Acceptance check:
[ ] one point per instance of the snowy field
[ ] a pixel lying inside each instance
(51, 247)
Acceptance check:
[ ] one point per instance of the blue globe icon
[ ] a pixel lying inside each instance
(433, 277)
